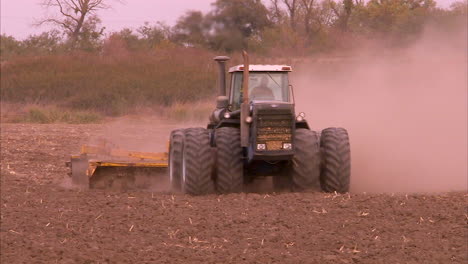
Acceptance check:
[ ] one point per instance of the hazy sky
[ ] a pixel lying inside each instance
(18, 16)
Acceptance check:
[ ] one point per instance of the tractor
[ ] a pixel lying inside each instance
(255, 132)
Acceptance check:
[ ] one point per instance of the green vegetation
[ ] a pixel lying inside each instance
(47, 115)
(170, 68)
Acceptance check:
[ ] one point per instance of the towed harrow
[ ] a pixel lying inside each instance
(105, 166)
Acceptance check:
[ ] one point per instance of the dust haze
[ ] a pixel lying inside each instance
(149, 133)
(405, 111)
(142, 133)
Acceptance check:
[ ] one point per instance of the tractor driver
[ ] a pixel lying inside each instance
(262, 91)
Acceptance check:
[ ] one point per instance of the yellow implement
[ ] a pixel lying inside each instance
(105, 165)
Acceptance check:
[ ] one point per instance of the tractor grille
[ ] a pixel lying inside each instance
(274, 127)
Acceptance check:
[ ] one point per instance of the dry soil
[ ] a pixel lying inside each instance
(43, 221)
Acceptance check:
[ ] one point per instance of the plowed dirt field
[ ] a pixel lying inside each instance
(43, 221)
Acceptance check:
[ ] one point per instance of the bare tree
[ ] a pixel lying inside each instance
(291, 6)
(73, 15)
(308, 7)
(343, 12)
(275, 11)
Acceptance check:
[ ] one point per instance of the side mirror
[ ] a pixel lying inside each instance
(222, 102)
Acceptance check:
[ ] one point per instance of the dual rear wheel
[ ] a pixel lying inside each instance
(191, 161)
(319, 163)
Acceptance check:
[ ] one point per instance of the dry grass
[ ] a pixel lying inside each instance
(112, 85)
(40, 114)
(47, 114)
(198, 111)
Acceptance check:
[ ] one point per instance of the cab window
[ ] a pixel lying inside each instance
(263, 86)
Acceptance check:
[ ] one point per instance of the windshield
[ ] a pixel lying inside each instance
(263, 86)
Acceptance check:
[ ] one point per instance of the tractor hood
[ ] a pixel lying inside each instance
(272, 129)
(272, 104)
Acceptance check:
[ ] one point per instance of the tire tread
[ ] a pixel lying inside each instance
(229, 160)
(199, 162)
(305, 169)
(336, 168)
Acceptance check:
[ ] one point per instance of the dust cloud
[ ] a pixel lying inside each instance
(405, 111)
(142, 133)
(145, 133)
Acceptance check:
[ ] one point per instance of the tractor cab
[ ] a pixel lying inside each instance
(254, 132)
(266, 83)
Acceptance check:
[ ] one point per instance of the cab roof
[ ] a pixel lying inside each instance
(262, 68)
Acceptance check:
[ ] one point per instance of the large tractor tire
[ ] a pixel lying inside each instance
(176, 148)
(229, 161)
(305, 167)
(336, 160)
(197, 162)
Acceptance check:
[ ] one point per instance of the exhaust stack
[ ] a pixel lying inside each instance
(222, 74)
(245, 105)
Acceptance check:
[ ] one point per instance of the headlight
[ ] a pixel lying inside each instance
(227, 115)
(287, 146)
(261, 147)
(300, 117)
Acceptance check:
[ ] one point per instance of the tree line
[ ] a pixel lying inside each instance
(294, 27)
